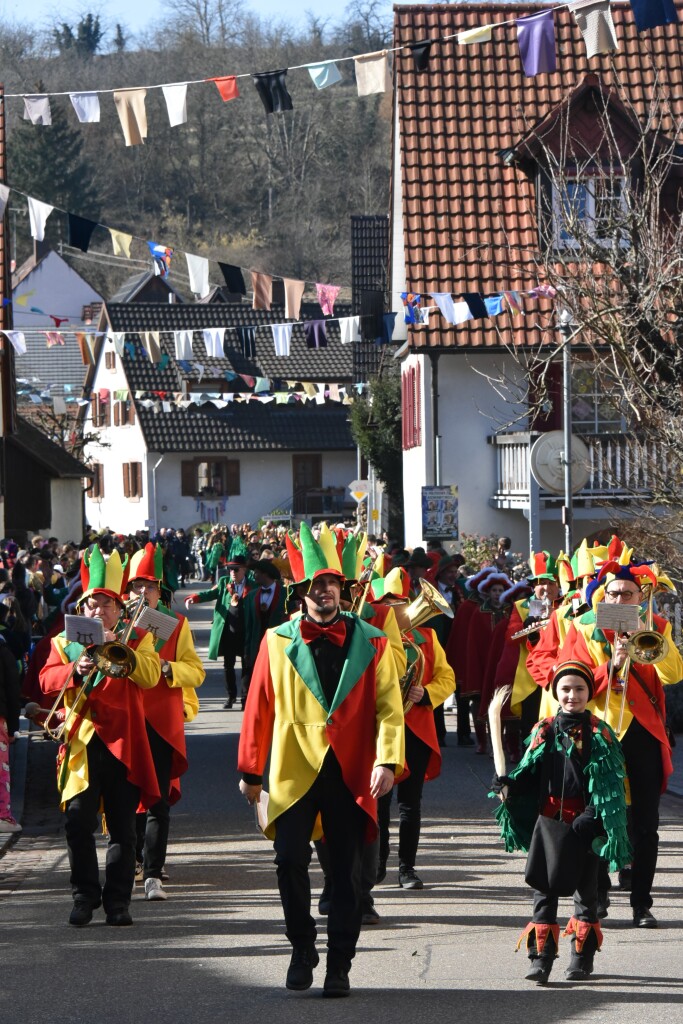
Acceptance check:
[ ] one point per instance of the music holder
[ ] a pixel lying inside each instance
(161, 626)
(88, 632)
(622, 618)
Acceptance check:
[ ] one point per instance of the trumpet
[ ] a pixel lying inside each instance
(426, 605)
(113, 658)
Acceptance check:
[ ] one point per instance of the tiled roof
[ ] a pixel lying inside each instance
(240, 426)
(58, 462)
(467, 215)
(130, 290)
(369, 269)
(333, 363)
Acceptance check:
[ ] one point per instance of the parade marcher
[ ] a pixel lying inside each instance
(640, 713)
(105, 756)
(456, 652)
(429, 682)
(263, 608)
(572, 771)
(227, 629)
(445, 576)
(325, 703)
(165, 711)
(487, 617)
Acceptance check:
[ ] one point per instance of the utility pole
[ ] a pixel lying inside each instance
(7, 398)
(567, 330)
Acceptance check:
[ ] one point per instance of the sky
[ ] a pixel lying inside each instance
(136, 15)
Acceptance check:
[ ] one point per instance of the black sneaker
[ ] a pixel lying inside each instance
(300, 970)
(81, 914)
(119, 918)
(336, 983)
(642, 918)
(603, 904)
(408, 879)
(370, 915)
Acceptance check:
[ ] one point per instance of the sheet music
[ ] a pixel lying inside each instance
(89, 632)
(622, 618)
(159, 625)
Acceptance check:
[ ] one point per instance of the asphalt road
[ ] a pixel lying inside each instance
(216, 950)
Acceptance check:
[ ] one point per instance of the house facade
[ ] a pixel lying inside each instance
(469, 218)
(175, 443)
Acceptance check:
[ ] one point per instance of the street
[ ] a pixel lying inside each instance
(216, 950)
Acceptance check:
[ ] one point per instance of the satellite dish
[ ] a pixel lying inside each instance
(546, 460)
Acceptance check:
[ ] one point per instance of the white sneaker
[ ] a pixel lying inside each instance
(154, 890)
(9, 825)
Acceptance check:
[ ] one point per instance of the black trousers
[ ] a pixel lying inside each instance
(585, 897)
(153, 826)
(368, 867)
(409, 794)
(107, 781)
(643, 756)
(463, 706)
(344, 826)
(531, 709)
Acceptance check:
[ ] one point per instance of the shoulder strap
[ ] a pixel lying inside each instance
(648, 692)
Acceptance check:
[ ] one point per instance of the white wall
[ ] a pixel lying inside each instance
(55, 288)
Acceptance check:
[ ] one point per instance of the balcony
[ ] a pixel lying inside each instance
(620, 467)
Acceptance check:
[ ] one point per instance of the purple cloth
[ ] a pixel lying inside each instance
(316, 333)
(536, 38)
(650, 13)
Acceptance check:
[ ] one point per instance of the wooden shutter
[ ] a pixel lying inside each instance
(130, 413)
(100, 480)
(126, 479)
(137, 468)
(232, 476)
(117, 414)
(188, 478)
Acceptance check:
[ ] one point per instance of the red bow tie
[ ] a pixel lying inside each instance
(311, 631)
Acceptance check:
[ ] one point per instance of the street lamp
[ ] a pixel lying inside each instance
(568, 330)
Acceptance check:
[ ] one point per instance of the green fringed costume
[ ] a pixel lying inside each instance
(605, 772)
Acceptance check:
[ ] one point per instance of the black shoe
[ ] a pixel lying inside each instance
(370, 915)
(603, 904)
(119, 918)
(578, 972)
(642, 918)
(300, 970)
(381, 871)
(228, 704)
(625, 879)
(81, 913)
(465, 741)
(325, 898)
(408, 879)
(336, 983)
(540, 969)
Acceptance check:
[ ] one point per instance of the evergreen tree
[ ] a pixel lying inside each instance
(376, 429)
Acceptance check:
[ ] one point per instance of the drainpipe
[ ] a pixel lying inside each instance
(154, 492)
(434, 360)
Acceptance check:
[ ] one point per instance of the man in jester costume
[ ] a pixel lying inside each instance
(573, 770)
(167, 707)
(105, 762)
(325, 702)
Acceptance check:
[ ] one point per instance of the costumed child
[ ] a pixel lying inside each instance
(572, 771)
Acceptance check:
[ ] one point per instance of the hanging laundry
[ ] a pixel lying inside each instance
(150, 343)
(261, 384)
(316, 333)
(86, 105)
(327, 294)
(58, 320)
(543, 290)
(17, 340)
(349, 327)
(182, 341)
(388, 324)
(372, 73)
(421, 53)
(371, 310)
(476, 305)
(294, 291)
(53, 338)
(4, 196)
(272, 88)
(162, 255)
(234, 280)
(59, 406)
(176, 103)
(412, 313)
(37, 110)
(514, 301)
(594, 19)
(494, 305)
(227, 87)
(282, 336)
(262, 285)
(118, 339)
(213, 342)
(536, 38)
(475, 35)
(324, 74)
(198, 269)
(651, 13)
(79, 231)
(246, 335)
(38, 213)
(120, 243)
(444, 301)
(130, 106)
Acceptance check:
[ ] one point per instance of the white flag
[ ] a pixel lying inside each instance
(176, 103)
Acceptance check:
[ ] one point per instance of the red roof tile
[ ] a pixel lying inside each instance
(466, 214)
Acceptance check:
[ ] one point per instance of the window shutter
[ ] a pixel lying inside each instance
(188, 478)
(117, 414)
(126, 480)
(130, 412)
(232, 476)
(138, 479)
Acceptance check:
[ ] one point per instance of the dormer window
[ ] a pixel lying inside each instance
(589, 208)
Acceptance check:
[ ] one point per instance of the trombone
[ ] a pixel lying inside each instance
(426, 605)
(113, 658)
(644, 647)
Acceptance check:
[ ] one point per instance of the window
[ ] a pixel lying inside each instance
(132, 479)
(100, 410)
(412, 407)
(110, 360)
(594, 411)
(124, 414)
(592, 207)
(95, 487)
(210, 479)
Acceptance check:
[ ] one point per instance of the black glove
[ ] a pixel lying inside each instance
(586, 824)
(498, 782)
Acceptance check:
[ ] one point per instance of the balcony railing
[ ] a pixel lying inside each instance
(620, 467)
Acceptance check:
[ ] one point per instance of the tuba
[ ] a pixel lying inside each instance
(426, 605)
(113, 658)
